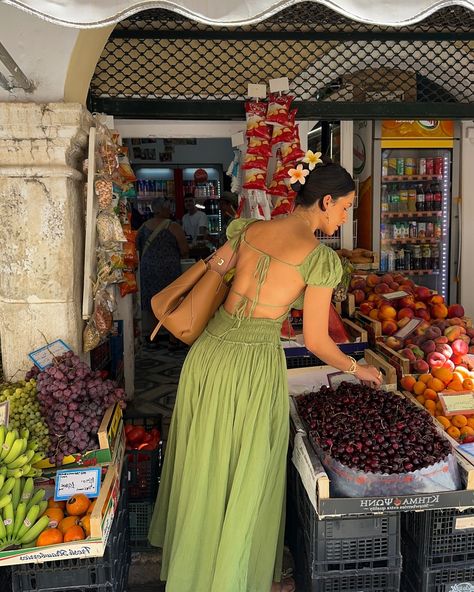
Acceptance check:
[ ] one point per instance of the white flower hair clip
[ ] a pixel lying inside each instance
(298, 175)
(312, 159)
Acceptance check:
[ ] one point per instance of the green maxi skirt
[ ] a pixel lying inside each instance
(219, 514)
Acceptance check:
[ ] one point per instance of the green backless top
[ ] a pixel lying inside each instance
(321, 267)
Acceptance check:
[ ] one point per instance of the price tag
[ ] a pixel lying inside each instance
(408, 328)
(4, 413)
(464, 522)
(395, 295)
(237, 139)
(279, 85)
(44, 356)
(336, 378)
(69, 482)
(460, 403)
(257, 91)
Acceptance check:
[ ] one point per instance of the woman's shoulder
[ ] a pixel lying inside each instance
(322, 267)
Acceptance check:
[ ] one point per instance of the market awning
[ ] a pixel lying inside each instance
(78, 13)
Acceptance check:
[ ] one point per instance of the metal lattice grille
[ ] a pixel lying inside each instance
(158, 55)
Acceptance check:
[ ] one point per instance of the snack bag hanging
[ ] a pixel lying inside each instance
(259, 146)
(278, 109)
(285, 133)
(256, 126)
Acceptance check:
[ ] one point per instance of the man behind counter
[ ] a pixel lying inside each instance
(195, 223)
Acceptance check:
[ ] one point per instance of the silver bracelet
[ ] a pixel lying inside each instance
(353, 367)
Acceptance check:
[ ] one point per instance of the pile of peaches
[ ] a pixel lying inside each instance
(426, 387)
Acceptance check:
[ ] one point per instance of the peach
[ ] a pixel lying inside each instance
(386, 312)
(405, 312)
(372, 280)
(382, 288)
(441, 339)
(374, 314)
(422, 328)
(453, 333)
(422, 313)
(436, 299)
(357, 283)
(423, 293)
(366, 307)
(374, 298)
(455, 321)
(407, 302)
(398, 277)
(359, 295)
(394, 342)
(471, 349)
(470, 333)
(445, 349)
(421, 367)
(460, 347)
(408, 382)
(419, 304)
(387, 278)
(457, 359)
(389, 327)
(418, 352)
(455, 310)
(428, 346)
(436, 359)
(439, 311)
(433, 332)
(409, 354)
(394, 286)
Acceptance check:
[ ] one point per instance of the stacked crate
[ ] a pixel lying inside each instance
(438, 547)
(345, 554)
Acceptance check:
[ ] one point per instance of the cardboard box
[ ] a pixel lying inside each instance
(101, 522)
(317, 483)
(110, 434)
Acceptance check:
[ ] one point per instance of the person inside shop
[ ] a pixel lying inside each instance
(195, 222)
(161, 244)
(228, 206)
(219, 515)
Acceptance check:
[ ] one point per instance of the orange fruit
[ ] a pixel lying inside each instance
(468, 384)
(90, 509)
(86, 524)
(444, 421)
(425, 377)
(53, 504)
(453, 432)
(436, 384)
(458, 377)
(77, 504)
(455, 385)
(408, 382)
(443, 374)
(75, 533)
(419, 387)
(470, 422)
(67, 522)
(430, 394)
(439, 407)
(430, 405)
(459, 421)
(421, 399)
(467, 431)
(50, 536)
(55, 516)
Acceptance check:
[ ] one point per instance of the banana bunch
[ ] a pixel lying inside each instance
(18, 454)
(21, 511)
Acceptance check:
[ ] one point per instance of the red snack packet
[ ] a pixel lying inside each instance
(283, 208)
(255, 179)
(285, 133)
(255, 161)
(241, 206)
(259, 146)
(278, 109)
(129, 284)
(278, 188)
(256, 126)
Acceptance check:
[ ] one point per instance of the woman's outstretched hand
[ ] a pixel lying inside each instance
(369, 374)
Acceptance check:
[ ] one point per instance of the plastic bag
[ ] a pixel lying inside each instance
(109, 229)
(125, 171)
(130, 255)
(110, 264)
(91, 337)
(129, 284)
(104, 190)
(346, 482)
(103, 307)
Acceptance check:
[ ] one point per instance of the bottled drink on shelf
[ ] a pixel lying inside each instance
(420, 199)
(394, 199)
(429, 200)
(422, 166)
(384, 231)
(434, 257)
(410, 166)
(384, 260)
(429, 230)
(400, 166)
(391, 260)
(416, 257)
(438, 231)
(429, 166)
(438, 166)
(400, 260)
(413, 229)
(384, 167)
(384, 199)
(392, 166)
(407, 262)
(437, 198)
(405, 230)
(426, 256)
(403, 200)
(412, 199)
(421, 226)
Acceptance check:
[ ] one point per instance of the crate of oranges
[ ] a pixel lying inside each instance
(426, 388)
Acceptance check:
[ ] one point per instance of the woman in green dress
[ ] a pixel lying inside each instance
(219, 514)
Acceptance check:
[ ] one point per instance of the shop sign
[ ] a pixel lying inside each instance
(70, 482)
(460, 403)
(423, 129)
(45, 356)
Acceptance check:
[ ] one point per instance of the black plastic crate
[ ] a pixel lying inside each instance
(92, 574)
(340, 544)
(300, 357)
(140, 514)
(438, 537)
(5, 579)
(449, 578)
(144, 472)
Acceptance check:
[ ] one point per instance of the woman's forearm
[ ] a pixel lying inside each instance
(326, 350)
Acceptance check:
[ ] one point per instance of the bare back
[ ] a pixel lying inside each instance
(267, 278)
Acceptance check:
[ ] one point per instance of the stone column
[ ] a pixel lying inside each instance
(42, 227)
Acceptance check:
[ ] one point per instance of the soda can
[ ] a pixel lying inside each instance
(400, 166)
(422, 166)
(438, 166)
(384, 167)
(429, 166)
(392, 166)
(410, 166)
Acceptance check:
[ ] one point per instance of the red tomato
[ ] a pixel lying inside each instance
(136, 435)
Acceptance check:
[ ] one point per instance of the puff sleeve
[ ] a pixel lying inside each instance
(236, 228)
(322, 268)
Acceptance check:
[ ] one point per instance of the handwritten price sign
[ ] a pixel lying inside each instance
(70, 482)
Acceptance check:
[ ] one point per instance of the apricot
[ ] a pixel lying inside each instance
(430, 405)
(421, 399)
(419, 387)
(468, 384)
(425, 377)
(459, 421)
(453, 432)
(470, 422)
(455, 385)
(466, 431)
(443, 374)
(435, 384)
(408, 382)
(430, 394)
(444, 421)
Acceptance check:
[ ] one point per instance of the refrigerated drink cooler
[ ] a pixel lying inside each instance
(416, 221)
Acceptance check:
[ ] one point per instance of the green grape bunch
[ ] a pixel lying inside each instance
(25, 411)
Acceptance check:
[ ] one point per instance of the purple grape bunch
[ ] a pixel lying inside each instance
(73, 399)
(372, 431)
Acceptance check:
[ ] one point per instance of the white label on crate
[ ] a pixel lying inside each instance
(395, 295)
(305, 469)
(461, 587)
(408, 328)
(70, 482)
(464, 522)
